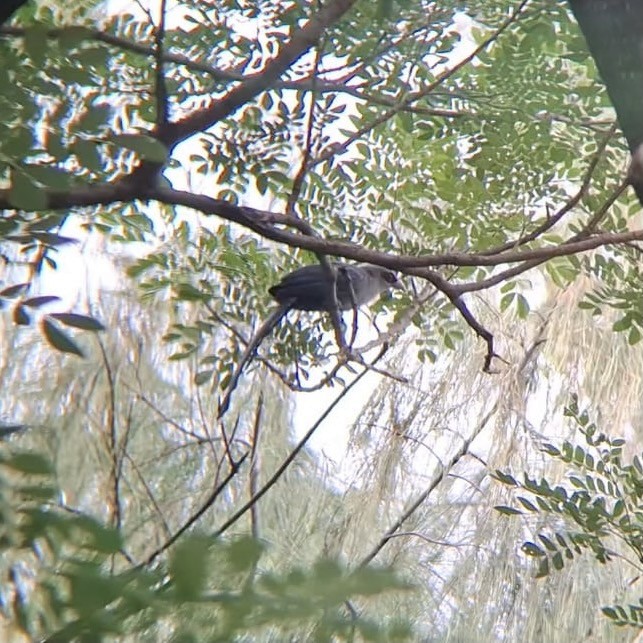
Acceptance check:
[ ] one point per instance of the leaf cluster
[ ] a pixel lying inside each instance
(597, 507)
(81, 585)
(22, 314)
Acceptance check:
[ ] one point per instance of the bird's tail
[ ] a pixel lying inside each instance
(262, 332)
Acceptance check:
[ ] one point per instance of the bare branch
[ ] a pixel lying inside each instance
(196, 515)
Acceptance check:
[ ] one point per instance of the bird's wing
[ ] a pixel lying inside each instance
(307, 288)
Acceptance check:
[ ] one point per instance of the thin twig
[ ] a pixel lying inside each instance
(197, 514)
(292, 455)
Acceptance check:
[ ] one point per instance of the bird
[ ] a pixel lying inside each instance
(309, 288)
(612, 30)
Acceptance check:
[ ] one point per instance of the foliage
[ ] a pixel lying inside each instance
(22, 316)
(596, 508)
(420, 156)
(465, 144)
(67, 580)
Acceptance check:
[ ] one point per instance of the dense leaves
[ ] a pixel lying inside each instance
(596, 507)
(465, 142)
(406, 155)
(78, 593)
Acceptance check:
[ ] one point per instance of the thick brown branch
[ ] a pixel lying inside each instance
(265, 223)
(298, 44)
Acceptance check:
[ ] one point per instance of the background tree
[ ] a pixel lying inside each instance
(469, 145)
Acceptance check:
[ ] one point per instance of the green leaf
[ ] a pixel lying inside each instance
(505, 478)
(203, 376)
(95, 118)
(550, 449)
(532, 549)
(106, 540)
(78, 321)
(610, 613)
(634, 336)
(28, 462)
(543, 568)
(522, 307)
(506, 300)
(619, 507)
(547, 542)
(527, 504)
(49, 176)
(188, 292)
(384, 9)
(13, 291)
(90, 589)
(244, 553)
(88, 154)
(24, 194)
(37, 302)
(60, 340)
(73, 35)
(189, 566)
(622, 324)
(149, 148)
(508, 511)
(39, 493)
(46, 238)
(35, 40)
(558, 561)
(20, 316)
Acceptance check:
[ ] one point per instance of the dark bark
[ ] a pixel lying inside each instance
(8, 8)
(613, 30)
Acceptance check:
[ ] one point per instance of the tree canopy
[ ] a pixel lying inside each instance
(198, 151)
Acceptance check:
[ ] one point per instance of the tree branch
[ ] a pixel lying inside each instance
(295, 47)
(292, 455)
(336, 148)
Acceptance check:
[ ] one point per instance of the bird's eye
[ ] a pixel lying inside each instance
(390, 277)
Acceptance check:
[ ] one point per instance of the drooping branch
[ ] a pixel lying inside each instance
(294, 453)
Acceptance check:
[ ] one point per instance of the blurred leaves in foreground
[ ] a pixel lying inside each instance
(68, 577)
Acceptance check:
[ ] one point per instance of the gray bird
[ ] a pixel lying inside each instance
(310, 288)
